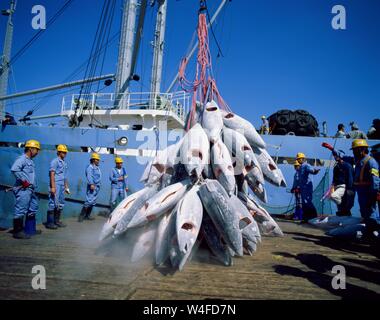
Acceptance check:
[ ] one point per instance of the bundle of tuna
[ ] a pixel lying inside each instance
(198, 189)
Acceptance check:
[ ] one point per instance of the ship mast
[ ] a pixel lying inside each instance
(5, 58)
(158, 46)
(130, 38)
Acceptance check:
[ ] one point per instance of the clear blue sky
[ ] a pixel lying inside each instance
(277, 54)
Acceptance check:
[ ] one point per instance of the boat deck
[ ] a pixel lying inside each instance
(297, 266)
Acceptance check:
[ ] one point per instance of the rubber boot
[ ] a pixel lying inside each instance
(30, 225)
(82, 214)
(88, 214)
(18, 230)
(57, 219)
(49, 224)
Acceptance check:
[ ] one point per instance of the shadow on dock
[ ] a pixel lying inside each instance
(359, 272)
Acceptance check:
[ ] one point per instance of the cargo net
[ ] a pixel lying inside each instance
(203, 87)
(322, 205)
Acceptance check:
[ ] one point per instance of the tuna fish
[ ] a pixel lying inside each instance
(331, 222)
(152, 173)
(214, 241)
(162, 202)
(162, 239)
(122, 225)
(189, 219)
(162, 166)
(174, 252)
(348, 231)
(247, 224)
(271, 172)
(235, 122)
(179, 256)
(243, 158)
(222, 166)
(120, 211)
(212, 121)
(169, 156)
(144, 242)
(216, 202)
(195, 151)
(257, 188)
(267, 225)
(250, 247)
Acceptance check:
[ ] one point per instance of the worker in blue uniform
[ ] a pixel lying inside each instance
(342, 193)
(343, 177)
(375, 153)
(119, 186)
(93, 176)
(298, 215)
(366, 183)
(24, 190)
(306, 186)
(58, 188)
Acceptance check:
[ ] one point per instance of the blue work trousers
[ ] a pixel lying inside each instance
(57, 201)
(26, 202)
(91, 196)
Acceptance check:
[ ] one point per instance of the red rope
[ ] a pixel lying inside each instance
(204, 86)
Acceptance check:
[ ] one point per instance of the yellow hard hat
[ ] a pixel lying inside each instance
(300, 155)
(95, 156)
(62, 148)
(118, 160)
(297, 164)
(263, 117)
(33, 144)
(357, 143)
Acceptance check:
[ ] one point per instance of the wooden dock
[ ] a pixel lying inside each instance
(297, 266)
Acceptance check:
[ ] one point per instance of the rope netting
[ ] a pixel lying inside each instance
(323, 206)
(203, 87)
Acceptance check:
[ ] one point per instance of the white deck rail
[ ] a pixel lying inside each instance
(176, 102)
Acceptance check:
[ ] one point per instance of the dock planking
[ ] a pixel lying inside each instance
(298, 266)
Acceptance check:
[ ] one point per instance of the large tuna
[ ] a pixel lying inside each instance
(222, 166)
(162, 239)
(189, 219)
(152, 173)
(216, 201)
(242, 155)
(235, 122)
(144, 242)
(214, 241)
(350, 231)
(122, 225)
(212, 121)
(247, 224)
(331, 222)
(162, 202)
(120, 211)
(174, 252)
(195, 151)
(269, 168)
(267, 225)
(162, 164)
(257, 188)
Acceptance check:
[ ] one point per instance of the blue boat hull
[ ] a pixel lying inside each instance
(280, 200)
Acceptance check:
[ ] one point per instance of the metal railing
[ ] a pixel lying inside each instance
(176, 102)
